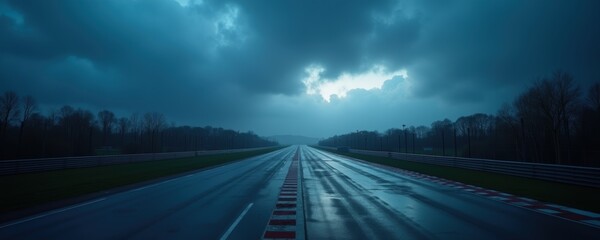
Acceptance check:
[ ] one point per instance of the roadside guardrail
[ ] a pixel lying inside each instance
(8, 167)
(585, 176)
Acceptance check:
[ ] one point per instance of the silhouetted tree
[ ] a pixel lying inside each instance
(9, 111)
(107, 119)
(29, 106)
(588, 129)
(153, 123)
(123, 125)
(442, 129)
(511, 133)
(551, 103)
(547, 123)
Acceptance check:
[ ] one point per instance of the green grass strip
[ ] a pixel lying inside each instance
(27, 190)
(576, 196)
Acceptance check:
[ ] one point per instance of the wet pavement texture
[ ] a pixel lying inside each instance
(297, 191)
(201, 205)
(347, 199)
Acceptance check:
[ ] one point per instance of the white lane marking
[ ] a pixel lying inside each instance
(594, 222)
(153, 185)
(51, 213)
(581, 212)
(142, 188)
(234, 224)
(548, 211)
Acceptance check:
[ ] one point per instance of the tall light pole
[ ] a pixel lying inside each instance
(455, 150)
(413, 136)
(405, 139)
(523, 152)
(443, 144)
(469, 140)
(357, 140)
(399, 143)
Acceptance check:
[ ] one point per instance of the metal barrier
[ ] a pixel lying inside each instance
(585, 176)
(9, 167)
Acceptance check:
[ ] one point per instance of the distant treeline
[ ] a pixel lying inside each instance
(553, 121)
(26, 133)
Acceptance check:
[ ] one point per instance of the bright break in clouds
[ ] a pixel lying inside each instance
(316, 68)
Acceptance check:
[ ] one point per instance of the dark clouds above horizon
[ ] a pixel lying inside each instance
(242, 64)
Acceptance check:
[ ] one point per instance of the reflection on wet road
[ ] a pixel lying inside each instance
(347, 199)
(313, 194)
(232, 201)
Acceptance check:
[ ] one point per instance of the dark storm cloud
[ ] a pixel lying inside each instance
(491, 45)
(88, 50)
(287, 36)
(239, 63)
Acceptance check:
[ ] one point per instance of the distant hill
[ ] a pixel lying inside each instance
(294, 139)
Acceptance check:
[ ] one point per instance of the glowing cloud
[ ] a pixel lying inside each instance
(185, 3)
(372, 79)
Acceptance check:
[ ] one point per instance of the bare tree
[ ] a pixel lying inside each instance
(124, 125)
(553, 102)
(507, 114)
(136, 127)
(443, 128)
(153, 123)
(421, 131)
(509, 125)
(83, 125)
(9, 103)
(107, 119)
(29, 106)
(65, 120)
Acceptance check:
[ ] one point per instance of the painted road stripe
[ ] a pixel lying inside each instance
(280, 234)
(283, 217)
(52, 212)
(236, 222)
(282, 224)
(285, 205)
(593, 222)
(284, 212)
(549, 211)
(577, 211)
(572, 216)
(153, 185)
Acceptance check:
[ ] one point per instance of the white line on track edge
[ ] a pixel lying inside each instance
(51, 212)
(235, 223)
(153, 185)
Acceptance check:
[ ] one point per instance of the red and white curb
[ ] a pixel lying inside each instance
(572, 214)
(282, 224)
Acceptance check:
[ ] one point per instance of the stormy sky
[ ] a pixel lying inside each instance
(311, 67)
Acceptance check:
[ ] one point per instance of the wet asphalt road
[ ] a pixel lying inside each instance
(200, 206)
(343, 199)
(346, 199)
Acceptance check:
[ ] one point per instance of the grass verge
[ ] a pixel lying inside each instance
(27, 190)
(580, 197)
